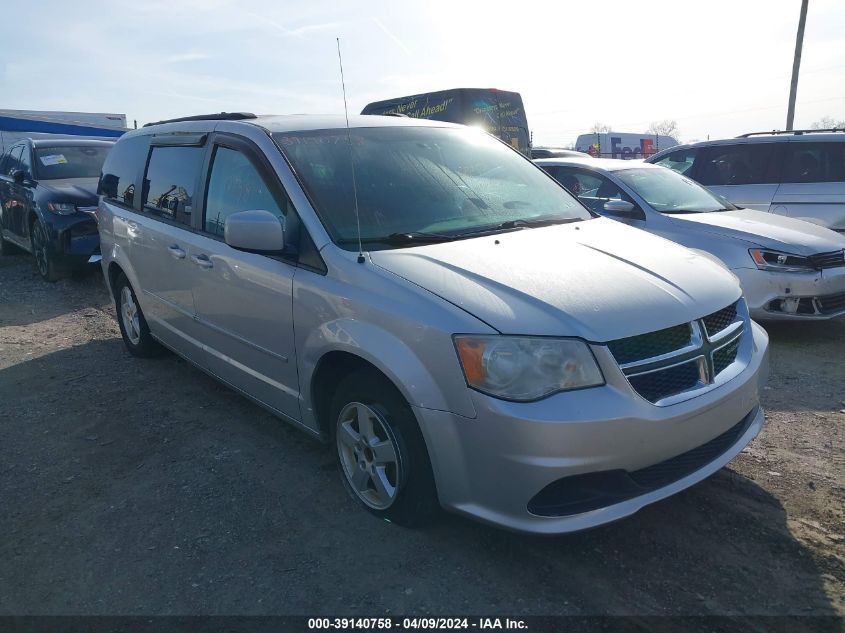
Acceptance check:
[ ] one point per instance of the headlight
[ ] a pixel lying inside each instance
(61, 208)
(781, 262)
(526, 367)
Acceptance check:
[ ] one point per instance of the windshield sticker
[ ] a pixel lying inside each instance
(53, 159)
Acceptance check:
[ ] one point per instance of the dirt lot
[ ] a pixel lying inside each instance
(142, 487)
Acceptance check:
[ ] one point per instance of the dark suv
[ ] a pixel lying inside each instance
(48, 197)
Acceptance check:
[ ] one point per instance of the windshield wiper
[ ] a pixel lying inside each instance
(420, 237)
(509, 225)
(410, 237)
(694, 211)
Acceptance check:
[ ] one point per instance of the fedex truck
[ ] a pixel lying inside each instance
(499, 112)
(623, 145)
(38, 124)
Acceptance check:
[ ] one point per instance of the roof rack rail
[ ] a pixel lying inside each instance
(220, 116)
(829, 129)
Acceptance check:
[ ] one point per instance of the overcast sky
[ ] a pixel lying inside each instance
(719, 67)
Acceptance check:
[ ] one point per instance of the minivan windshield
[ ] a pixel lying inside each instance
(69, 161)
(422, 184)
(669, 192)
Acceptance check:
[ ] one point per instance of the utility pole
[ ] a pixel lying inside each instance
(796, 64)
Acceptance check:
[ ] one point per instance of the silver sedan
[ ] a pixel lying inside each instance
(788, 268)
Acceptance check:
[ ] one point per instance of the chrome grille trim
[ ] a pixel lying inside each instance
(702, 349)
(833, 259)
(662, 361)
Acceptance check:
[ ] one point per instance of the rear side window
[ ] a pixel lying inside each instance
(170, 182)
(748, 164)
(814, 162)
(681, 161)
(120, 171)
(236, 185)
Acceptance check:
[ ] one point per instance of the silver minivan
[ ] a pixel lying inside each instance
(463, 331)
(798, 174)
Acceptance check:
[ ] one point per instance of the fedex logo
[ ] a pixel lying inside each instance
(644, 150)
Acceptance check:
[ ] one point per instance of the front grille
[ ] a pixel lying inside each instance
(719, 320)
(835, 259)
(723, 357)
(633, 348)
(832, 303)
(663, 383)
(682, 358)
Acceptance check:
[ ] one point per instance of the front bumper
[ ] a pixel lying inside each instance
(74, 241)
(491, 467)
(810, 296)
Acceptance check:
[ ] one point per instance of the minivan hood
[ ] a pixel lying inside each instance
(768, 230)
(598, 279)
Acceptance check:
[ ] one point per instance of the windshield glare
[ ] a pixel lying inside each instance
(669, 192)
(442, 181)
(69, 161)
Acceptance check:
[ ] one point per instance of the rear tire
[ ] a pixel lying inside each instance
(382, 457)
(40, 249)
(133, 326)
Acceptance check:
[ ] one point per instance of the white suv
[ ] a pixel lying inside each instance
(799, 174)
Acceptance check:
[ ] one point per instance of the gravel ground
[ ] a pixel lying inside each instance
(134, 486)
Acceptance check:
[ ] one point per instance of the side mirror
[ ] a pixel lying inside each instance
(20, 176)
(623, 209)
(258, 231)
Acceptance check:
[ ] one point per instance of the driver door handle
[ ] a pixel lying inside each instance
(202, 261)
(176, 252)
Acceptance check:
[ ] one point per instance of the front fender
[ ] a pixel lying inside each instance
(391, 355)
(112, 253)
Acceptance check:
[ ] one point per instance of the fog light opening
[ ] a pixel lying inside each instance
(794, 305)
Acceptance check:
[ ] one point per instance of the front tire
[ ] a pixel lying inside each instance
(381, 452)
(40, 249)
(133, 326)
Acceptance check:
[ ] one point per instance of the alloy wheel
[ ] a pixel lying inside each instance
(129, 316)
(39, 249)
(369, 455)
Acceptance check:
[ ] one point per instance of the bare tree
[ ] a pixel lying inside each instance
(826, 123)
(601, 128)
(666, 127)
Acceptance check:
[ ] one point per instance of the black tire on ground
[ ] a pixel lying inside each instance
(40, 250)
(415, 500)
(135, 332)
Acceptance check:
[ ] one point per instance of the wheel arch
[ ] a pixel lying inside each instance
(355, 344)
(112, 273)
(31, 219)
(329, 371)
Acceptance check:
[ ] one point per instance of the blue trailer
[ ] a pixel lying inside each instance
(37, 124)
